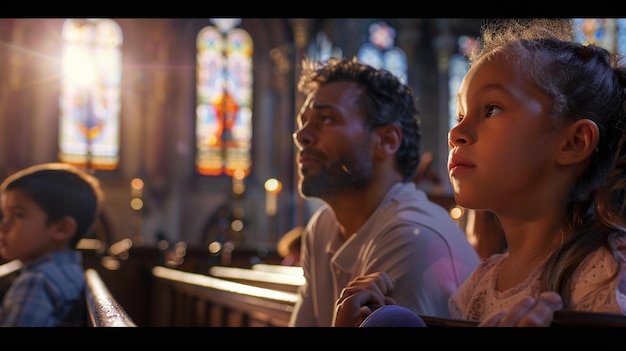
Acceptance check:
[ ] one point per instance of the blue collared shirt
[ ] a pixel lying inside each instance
(48, 292)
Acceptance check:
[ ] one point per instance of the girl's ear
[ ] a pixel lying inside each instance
(65, 228)
(388, 138)
(581, 141)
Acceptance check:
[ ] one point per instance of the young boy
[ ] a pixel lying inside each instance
(46, 210)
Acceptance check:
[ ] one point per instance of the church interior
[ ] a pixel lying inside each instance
(188, 122)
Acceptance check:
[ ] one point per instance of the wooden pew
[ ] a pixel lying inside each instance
(102, 308)
(185, 299)
(9, 267)
(587, 319)
(264, 279)
(277, 268)
(561, 319)
(8, 271)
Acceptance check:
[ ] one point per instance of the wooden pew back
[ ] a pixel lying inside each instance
(185, 299)
(264, 279)
(8, 272)
(190, 299)
(562, 318)
(103, 310)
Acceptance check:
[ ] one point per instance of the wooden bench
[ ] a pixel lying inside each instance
(8, 271)
(561, 319)
(185, 299)
(102, 308)
(261, 278)
(277, 268)
(190, 299)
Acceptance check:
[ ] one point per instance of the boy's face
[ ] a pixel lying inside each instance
(24, 234)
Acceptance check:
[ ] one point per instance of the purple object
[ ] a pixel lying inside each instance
(393, 316)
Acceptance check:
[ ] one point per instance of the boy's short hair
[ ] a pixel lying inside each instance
(60, 190)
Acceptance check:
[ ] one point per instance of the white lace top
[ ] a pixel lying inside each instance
(477, 298)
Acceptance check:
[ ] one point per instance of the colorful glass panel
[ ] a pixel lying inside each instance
(380, 51)
(322, 48)
(458, 65)
(600, 31)
(90, 99)
(224, 92)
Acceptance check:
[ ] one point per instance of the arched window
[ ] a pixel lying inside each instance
(457, 68)
(322, 48)
(380, 51)
(90, 99)
(224, 98)
(609, 33)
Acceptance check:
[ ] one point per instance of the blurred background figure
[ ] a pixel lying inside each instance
(484, 232)
(288, 247)
(482, 228)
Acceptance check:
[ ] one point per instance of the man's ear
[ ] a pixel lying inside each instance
(388, 138)
(581, 140)
(65, 228)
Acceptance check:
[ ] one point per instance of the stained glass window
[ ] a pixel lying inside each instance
(457, 68)
(224, 98)
(322, 48)
(90, 96)
(609, 33)
(381, 52)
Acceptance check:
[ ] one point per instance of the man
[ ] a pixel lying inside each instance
(359, 144)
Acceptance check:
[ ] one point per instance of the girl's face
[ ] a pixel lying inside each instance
(24, 231)
(501, 151)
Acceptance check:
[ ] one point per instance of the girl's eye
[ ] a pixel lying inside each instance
(492, 110)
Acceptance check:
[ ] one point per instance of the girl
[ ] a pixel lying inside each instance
(539, 143)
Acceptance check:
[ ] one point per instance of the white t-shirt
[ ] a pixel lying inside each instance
(411, 238)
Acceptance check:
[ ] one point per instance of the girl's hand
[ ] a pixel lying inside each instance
(528, 312)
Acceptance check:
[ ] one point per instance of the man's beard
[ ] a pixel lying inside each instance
(340, 178)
